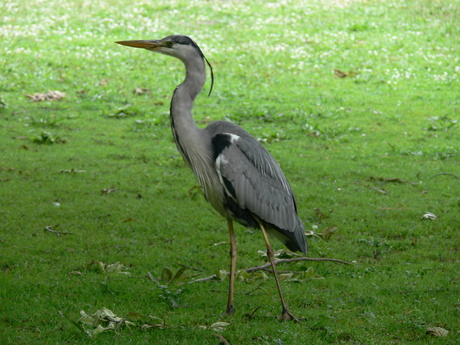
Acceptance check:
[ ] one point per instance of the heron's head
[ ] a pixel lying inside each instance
(178, 46)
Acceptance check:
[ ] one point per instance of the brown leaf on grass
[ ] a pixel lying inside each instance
(216, 326)
(74, 273)
(396, 180)
(102, 320)
(141, 91)
(320, 214)
(146, 322)
(50, 96)
(341, 74)
(153, 325)
(328, 232)
(117, 267)
(437, 331)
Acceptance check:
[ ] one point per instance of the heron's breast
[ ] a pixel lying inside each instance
(214, 193)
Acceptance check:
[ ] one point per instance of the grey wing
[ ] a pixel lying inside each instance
(252, 178)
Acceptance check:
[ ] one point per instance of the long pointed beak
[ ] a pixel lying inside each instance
(146, 44)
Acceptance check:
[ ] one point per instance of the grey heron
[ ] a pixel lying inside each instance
(238, 176)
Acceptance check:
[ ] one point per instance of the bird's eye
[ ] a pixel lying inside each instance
(169, 44)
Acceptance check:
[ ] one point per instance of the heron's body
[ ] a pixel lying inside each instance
(239, 178)
(244, 183)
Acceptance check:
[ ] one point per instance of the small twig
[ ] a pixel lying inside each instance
(446, 173)
(381, 191)
(283, 272)
(251, 316)
(250, 292)
(221, 338)
(397, 180)
(214, 276)
(281, 261)
(58, 233)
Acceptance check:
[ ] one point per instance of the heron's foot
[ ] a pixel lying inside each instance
(287, 316)
(230, 310)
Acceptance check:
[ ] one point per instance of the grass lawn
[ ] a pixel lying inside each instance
(359, 102)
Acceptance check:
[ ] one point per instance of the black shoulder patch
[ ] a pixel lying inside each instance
(219, 143)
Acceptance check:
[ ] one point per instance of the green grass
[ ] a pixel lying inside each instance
(339, 141)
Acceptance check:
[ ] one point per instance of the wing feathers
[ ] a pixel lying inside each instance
(253, 179)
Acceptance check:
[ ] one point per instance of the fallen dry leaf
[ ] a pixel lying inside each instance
(74, 273)
(50, 96)
(117, 267)
(285, 276)
(104, 320)
(217, 326)
(429, 215)
(340, 74)
(141, 90)
(108, 190)
(437, 331)
(153, 325)
(328, 232)
(320, 214)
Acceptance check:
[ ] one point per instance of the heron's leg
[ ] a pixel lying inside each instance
(233, 257)
(285, 314)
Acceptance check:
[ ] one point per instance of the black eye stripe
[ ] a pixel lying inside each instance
(180, 39)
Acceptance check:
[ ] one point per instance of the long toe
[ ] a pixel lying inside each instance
(287, 316)
(230, 310)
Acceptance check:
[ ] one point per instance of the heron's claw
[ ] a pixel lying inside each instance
(287, 316)
(230, 310)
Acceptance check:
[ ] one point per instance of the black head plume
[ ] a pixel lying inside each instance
(182, 39)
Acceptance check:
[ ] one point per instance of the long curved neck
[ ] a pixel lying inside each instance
(186, 133)
(185, 93)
